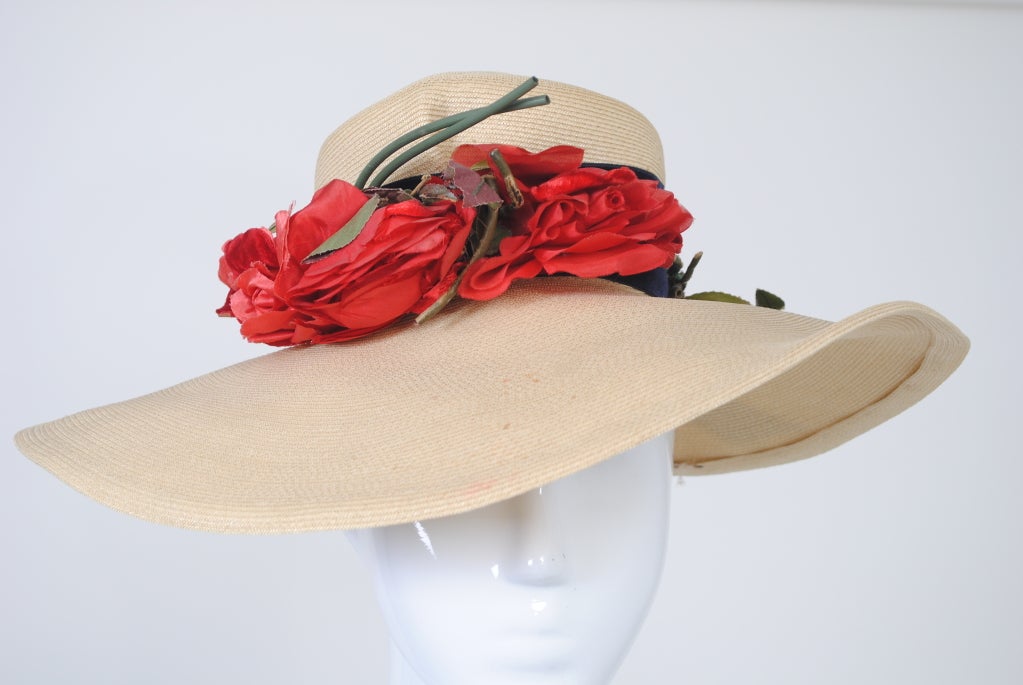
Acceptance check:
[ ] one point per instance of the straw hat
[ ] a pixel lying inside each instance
(492, 398)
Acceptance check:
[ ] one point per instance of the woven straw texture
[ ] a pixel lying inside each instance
(490, 400)
(609, 131)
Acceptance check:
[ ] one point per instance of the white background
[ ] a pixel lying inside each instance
(838, 154)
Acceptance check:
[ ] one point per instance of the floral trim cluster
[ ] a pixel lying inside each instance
(495, 215)
(357, 258)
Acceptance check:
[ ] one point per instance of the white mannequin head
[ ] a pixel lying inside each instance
(550, 586)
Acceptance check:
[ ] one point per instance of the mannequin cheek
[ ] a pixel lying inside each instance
(439, 601)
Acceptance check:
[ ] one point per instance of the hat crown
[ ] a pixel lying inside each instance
(609, 131)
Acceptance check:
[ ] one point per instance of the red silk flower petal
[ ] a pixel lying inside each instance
(244, 250)
(331, 208)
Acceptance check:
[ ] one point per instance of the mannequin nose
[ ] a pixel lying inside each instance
(538, 554)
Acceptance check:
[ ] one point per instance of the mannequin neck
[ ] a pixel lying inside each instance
(401, 672)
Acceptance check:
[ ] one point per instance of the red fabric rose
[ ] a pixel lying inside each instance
(404, 258)
(585, 222)
(248, 268)
(396, 265)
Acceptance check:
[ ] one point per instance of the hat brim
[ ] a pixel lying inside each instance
(490, 400)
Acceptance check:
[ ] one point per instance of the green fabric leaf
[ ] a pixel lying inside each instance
(715, 296)
(769, 300)
(349, 231)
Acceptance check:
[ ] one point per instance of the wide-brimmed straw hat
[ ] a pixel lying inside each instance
(491, 398)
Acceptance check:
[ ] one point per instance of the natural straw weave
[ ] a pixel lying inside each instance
(492, 399)
(608, 130)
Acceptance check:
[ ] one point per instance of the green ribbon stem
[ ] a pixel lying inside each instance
(444, 129)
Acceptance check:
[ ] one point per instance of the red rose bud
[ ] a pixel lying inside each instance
(528, 167)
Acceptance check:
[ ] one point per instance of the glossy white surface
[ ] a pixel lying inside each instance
(547, 587)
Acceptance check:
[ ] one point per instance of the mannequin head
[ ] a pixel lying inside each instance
(549, 586)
